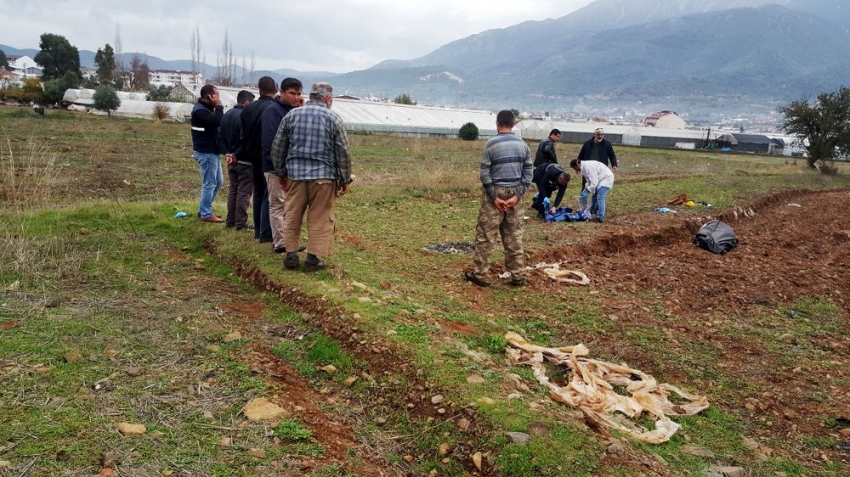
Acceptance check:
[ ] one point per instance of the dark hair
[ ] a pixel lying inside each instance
(574, 163)
(266, 85)
(566, 177)
(291, 83)
(505, 118)
(244, 96)
(207, 90)
(556, 132)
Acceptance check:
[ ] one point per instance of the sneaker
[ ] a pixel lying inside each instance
(315, 267)
(283, 249)
(292, 261)
(475, 279)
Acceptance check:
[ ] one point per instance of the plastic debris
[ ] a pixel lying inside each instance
(665, 210)
(180, 215)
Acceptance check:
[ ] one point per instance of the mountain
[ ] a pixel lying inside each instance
(625, 50)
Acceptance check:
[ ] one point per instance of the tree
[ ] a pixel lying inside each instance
(54, 90)
(468, 132)
(140, 74)
(517, 115)
(106, 99)
(120, 73)
(403, 99)
(4, 62)
(825, 125)
(57, 57)
(225, 70)
(159, 93)
(105, 61)
(195, 43)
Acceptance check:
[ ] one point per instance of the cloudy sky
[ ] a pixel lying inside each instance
(307, 35)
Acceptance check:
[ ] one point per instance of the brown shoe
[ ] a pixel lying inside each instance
(212, 219)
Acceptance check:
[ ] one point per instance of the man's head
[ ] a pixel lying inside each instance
(563, 179)
(505, 120)
(575, 165)
(207, 93)
(598, 134)
(267, 87)
(555, 135)
(244, 98)
(322, 92)
(290, 92)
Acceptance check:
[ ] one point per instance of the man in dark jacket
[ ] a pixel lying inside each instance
(599, 149)
(251, 150)
(548, 178)
(205, 120)
(546, 149)
(238, 171)
(273, 208)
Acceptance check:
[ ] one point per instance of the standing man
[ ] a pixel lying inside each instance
(273, 207)
(598, 181)
(546, 149)
(205, 120)
(506, 171)
(238, 171)
(251, 150)
(311, 158)
(598, 149)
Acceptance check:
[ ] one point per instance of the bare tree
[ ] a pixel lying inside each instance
(140, 77)
(253, 66)
(225, 71)
(195, 43)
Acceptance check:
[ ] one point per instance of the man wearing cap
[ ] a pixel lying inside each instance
(312, 160)
(505, 174)
(598, 149)
(546, 149)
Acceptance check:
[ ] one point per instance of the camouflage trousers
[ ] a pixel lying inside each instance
(493, 223)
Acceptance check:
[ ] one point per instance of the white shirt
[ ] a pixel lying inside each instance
(597, 175)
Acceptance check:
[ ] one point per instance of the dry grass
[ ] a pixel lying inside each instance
(27, 180)
(160, 111)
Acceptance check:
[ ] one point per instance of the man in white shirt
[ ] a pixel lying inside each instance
(599, 180)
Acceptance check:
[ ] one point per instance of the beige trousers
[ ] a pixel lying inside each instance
(276, 208)
(316, 198)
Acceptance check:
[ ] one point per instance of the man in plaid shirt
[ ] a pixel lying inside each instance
(310, 155)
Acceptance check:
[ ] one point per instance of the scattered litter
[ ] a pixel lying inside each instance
(702, 202)
(678, 200)
(180, 215)
(794, 205)
(591, 389)
(555, 273)
(689, 203)
(665, 210)
(451, 247)
(532, 268)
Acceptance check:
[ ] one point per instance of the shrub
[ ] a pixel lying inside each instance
(106, 99)
(468, 132)
(827, 168)
(160, 111)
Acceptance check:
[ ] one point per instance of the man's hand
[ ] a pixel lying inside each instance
(614, 168)
(511, 202)
(215, 99)
(552, 210)
(342, 189)
(229, 159)
(500, 204)
(283, 182)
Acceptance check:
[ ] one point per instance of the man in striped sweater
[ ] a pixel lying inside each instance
(506, 170)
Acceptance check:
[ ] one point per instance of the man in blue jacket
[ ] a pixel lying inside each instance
(205, 120)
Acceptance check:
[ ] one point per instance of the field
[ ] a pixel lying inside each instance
(112, 311)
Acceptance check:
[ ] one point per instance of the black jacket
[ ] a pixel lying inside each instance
(607, 152)
(546, 178)
(230, 130)
(272, 117)
(205, 120)
(545, 152)
(250, 146)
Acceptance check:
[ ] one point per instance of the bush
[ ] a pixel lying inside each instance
(106, 99)
(468, 132)
(160, 111)
(827, 168)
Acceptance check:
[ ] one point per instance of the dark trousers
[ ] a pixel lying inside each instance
(239, 194)
(262, 225)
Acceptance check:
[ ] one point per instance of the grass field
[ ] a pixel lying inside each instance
(114, 311)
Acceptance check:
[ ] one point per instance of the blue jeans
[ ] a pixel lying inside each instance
(598, 204)
(212, 178)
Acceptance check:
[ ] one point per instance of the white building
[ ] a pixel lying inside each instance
(24, 66)
(175, 77)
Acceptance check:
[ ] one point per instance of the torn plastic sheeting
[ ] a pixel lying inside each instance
(591, 389)
(555, 273)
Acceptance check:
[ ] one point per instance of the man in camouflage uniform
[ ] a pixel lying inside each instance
(506, 170)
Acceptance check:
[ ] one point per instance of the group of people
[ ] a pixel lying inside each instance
(287, 156)
(507, 172)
